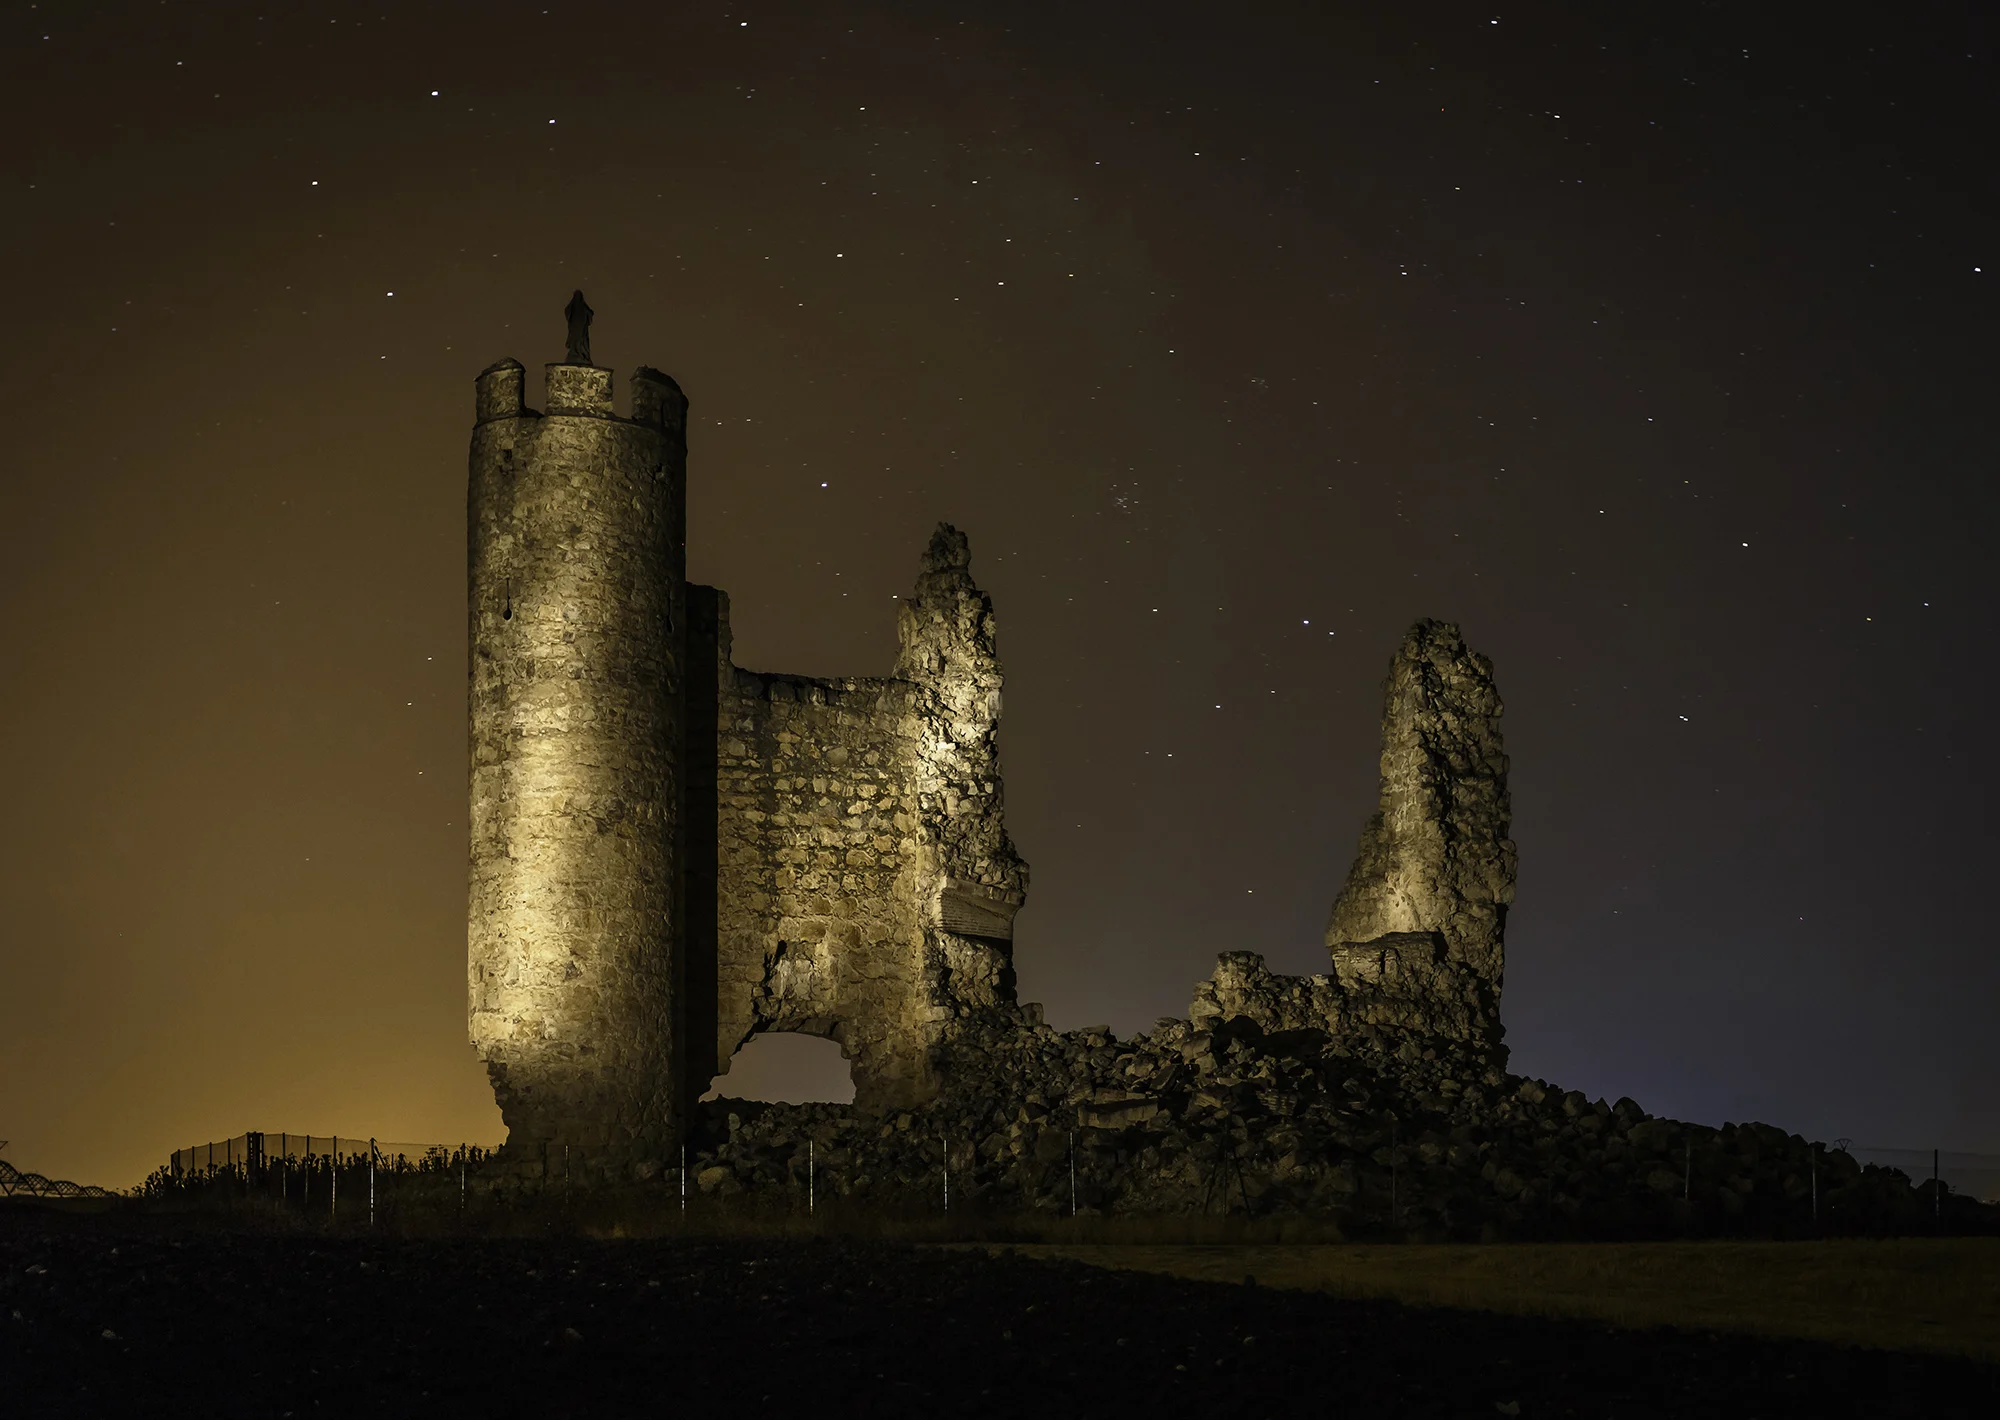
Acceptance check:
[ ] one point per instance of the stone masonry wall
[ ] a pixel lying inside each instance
(1421, 918)
(575, 528)
(865, 883)
(817, 928)
(670, 854)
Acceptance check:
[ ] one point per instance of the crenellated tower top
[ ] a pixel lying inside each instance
(578, 388)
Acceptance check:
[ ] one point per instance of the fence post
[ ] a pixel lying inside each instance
(371, 1183)
(1072, 1173)
(809, 1178)
(684, 1182)
(1687, 1169)
(945, 1141)
(333, 1193)
(1392, 1174)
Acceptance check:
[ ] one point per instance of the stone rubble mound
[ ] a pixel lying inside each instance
(1375, 1129)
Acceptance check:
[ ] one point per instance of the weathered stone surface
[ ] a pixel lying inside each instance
(1423, 913)
(670, 854)
(1372, 1128)
(866, 884)
(575, 524)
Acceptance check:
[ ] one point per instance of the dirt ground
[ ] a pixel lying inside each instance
(118, 1316)
(1903, 1294)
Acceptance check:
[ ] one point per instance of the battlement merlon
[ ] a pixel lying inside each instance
(498, 392)
(579, 390)
(657, 399)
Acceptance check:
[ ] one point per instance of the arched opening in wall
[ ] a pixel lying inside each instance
(787, 1068)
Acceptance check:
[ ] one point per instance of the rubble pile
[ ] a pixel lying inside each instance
(1372, 1128)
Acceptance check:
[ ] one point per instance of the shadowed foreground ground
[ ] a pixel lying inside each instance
(105, 1319)
(1918, 1294)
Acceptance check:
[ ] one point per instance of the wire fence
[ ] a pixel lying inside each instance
(336, 1177)
(257, 1150)
(348, 1181)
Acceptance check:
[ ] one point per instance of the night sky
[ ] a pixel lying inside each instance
(1648, 342)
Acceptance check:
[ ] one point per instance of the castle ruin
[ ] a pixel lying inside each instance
(670, 854)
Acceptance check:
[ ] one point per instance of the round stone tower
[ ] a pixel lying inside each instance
(576, 528)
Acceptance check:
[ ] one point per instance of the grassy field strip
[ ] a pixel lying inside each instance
(1903, 1294)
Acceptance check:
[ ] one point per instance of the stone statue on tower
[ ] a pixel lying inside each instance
(579, 313)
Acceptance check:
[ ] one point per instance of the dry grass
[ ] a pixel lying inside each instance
(1904, 1294)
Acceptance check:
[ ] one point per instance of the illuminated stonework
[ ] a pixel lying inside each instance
(577, 593)
(1419, 925)
(669, 854)
(865, 884)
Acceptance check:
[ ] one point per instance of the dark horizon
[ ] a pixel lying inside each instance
(1651, 349)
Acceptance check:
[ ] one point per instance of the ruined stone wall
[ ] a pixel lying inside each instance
(670, 854)
(575, 531)
(974, 881)
(865, 883)
(1416, 934)
(1419, 924)
(817, 929)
